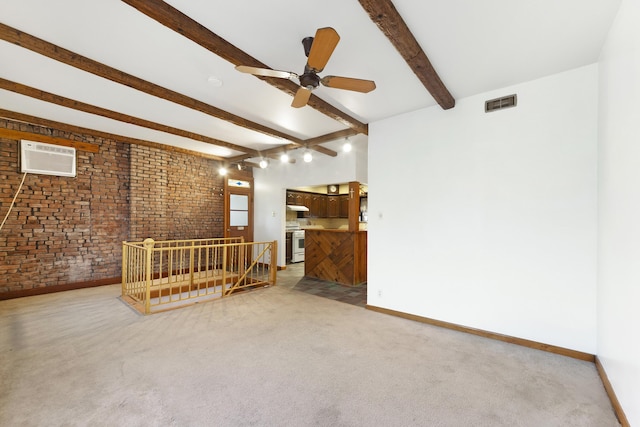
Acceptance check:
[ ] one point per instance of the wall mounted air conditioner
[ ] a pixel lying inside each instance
(47, 159)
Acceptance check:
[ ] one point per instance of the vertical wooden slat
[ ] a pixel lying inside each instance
(191, 265)
(124, 268)
(224, 268)
(161, 264)
(274, 261)
(148, 244)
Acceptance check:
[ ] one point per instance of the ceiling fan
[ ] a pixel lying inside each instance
(318, 50)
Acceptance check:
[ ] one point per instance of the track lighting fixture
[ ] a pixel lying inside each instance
(307, 157)
(347, 146)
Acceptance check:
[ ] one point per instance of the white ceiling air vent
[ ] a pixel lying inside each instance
(47, 159)
(501, 103)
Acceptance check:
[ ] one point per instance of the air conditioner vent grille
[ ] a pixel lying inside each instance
(500, 103)
(47, 159)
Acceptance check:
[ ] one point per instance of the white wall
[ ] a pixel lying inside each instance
(489, 220)
(271, 184)
(362, 162)
(619, 209)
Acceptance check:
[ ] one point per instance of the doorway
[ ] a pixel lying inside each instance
(238, 208)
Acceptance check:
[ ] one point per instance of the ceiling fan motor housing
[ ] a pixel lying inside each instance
(309, 79)
(307, 42)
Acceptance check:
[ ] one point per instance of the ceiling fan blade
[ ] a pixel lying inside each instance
(302, 97)
(324, 43)
(348, 83)
(265, 72)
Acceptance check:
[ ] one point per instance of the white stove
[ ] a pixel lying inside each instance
(297, 240)
(297, 246)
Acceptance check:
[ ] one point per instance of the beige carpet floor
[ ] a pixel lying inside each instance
(272, 357)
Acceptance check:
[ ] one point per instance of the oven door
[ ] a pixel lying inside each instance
(297, 238)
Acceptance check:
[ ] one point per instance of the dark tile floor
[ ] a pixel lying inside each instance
(294, 277)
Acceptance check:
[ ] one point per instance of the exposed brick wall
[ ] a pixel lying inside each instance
(190, 214)
(70, 230)
(63, 230)
(174, 196)
(148, 192)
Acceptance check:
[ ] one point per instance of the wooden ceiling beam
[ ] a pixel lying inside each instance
(271, 153)
(387, 18)
(76, 60)
(311, 143)
(321, 149)
(87, 108)
(92, 109)
(329, 137)
(68, 57)
(177, 21)
(324, 150)
(25, 118)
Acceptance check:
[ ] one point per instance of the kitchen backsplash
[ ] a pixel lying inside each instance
(328, 223)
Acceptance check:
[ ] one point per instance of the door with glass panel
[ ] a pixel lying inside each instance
(238, 220)
(239, 208)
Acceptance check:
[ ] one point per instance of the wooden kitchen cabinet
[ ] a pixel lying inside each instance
(343, 202)
(320, 205)
(306, 201)
(333, 206)
(318, 208)
(291, 198)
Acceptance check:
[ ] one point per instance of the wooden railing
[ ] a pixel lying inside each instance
(163, 275)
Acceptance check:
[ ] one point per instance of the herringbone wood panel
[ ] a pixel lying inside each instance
(330, 256)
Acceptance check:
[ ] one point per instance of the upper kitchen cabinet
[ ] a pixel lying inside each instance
(333, 206)
(318, 208)
(297, 198)
(316, 203)
(321, 205)
(291, 198)
(343, 201)
(306, 200)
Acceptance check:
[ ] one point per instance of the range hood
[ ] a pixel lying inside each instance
(297, 208)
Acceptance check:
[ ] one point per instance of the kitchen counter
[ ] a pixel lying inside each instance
(336, 255)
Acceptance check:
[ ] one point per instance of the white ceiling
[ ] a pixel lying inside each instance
(475, 46)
